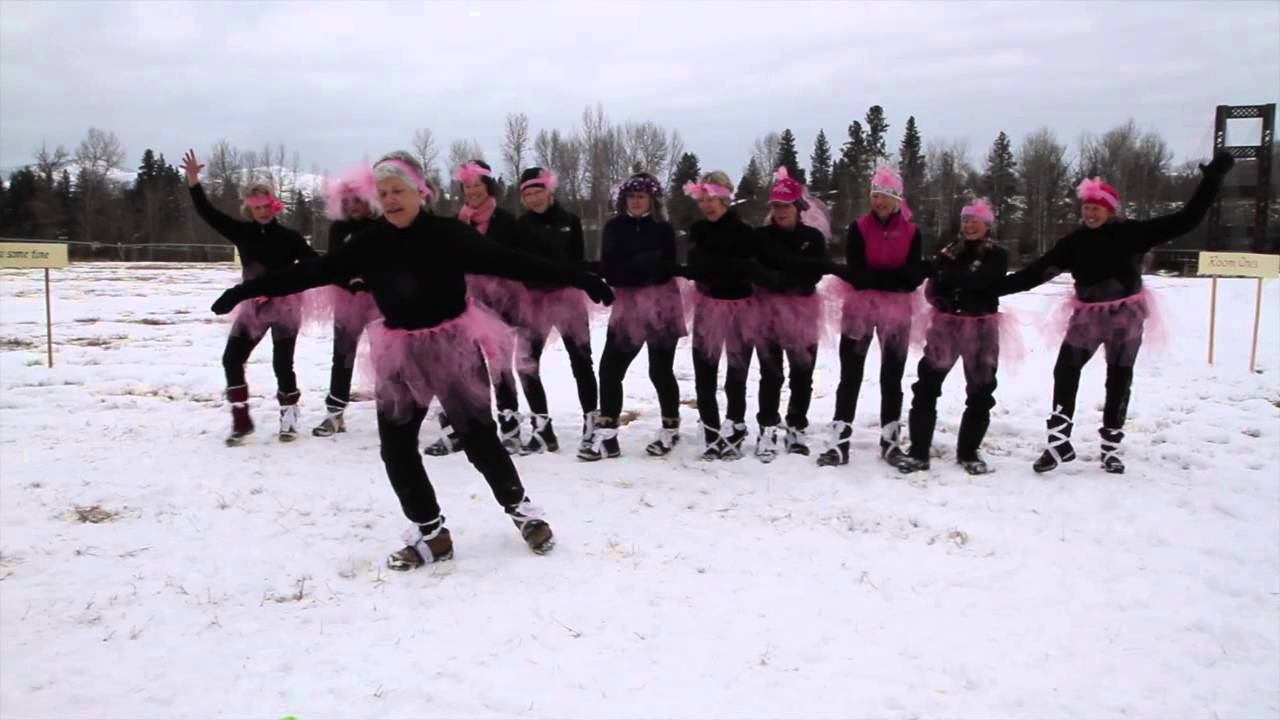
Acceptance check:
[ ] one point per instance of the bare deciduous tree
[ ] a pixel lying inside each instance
(765, 152)
(50, 162)
(515, 144)
(425, 150)
(1043, 168)
(99, 153)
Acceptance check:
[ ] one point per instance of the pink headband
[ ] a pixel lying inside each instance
(470, 172)
(546, 179)
(979, 210)
(413, 173)
(700, 190)
(268, 200)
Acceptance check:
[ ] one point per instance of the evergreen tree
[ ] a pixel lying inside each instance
(877, 129)
(1000, 181)
(787, 156)
(820, 181)
(682, 209)
(910, 160)
(751, 183)
(855, 172)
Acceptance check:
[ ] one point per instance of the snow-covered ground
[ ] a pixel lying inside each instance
(248, 582)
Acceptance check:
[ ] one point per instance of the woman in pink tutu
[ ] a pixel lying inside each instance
(723, 263)
(553, 233)
(430, 344)
(1110, 306)
(502, 295)
(965, 324)
(638, 255)
(793, 242)
(350, 203)
(884, 269)
(264, 246)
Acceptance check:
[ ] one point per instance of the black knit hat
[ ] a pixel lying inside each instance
(537, 177)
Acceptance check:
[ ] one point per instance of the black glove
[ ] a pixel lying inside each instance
(680, 271)
(228, 301)
(1220, 165)
(595, 287)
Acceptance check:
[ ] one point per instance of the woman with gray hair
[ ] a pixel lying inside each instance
(430, 344)
(265, 246)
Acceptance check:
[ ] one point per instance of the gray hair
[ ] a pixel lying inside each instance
(387, 171)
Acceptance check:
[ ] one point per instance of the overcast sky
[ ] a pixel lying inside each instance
(344, 82)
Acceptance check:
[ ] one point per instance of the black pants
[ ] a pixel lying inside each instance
(529, 367)
(479, 435)
(980, 365)
(801, 368)
(706, 363)
(615, 360)
(853, 360)
(240, 346)
(345, 346)
(1120, 341)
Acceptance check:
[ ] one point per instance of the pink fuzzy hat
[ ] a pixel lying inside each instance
(1093, 191)
(979, 210)
(886, 181)
(357, 183)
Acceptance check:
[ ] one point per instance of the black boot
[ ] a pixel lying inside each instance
(975, 465)
(288, 415)
(509, 431)
(543, 438)
(797, 441)
(732, 449)
(668, 436)
(1111, 439)
(891, 442)
(603, 442)
(910, 463)
(1058, 448)
(715, 443)
(589, 421)
(767, 444)
(838, 453)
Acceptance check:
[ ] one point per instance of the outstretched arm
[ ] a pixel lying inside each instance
(485, 257)
(1042, 270)
(1147, 234)
(222, 223)
(335, 268)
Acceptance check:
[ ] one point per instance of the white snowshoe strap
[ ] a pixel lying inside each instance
(540, 423)
(667, 437)
(589, 422)
(512, 419)
(523, 512)
(1111, 448)
(768, 442)
(416, 539)
(891, 433)
(1058, 433)
(599, 435)
(334, 405)
(717, 434)
(838, 430)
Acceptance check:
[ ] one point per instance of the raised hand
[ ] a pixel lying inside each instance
(1220, 165)
(192, 167)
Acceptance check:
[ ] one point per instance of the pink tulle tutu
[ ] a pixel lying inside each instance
(503, 296)
(349, 311)
(794, 322)
(1082, 323)
(565, 309)
(648, 313)
(892, 314)
(256, 316)
(735, 325)
(986, 338)
(447, 361)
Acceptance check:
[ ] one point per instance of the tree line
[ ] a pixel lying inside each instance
(84, 195)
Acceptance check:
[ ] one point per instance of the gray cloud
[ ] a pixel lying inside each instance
(341, 82)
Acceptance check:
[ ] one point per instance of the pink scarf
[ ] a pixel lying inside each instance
(478, 217)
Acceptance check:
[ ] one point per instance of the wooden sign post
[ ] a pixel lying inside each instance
(1251, 265)
(37, 255)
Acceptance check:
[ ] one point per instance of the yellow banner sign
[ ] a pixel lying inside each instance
(33, 255)
(1239, 264)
